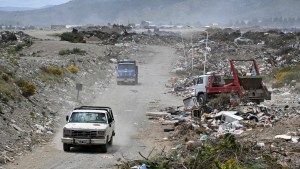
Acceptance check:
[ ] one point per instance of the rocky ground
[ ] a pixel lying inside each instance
(30, 120)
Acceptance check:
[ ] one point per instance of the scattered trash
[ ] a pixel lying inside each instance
(285, 137)
(203, 137)
(260, 144)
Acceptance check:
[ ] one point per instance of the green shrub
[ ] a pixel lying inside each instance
(72, 37)
(78, 51)
(19, 47)
(230, 164)
(53, 70)
(32, 116)
(73, 69)
(7, 91)
(20, 82)
(28, 89)
(64, 52)
(5, 77)
(286, 76)
(73, 51)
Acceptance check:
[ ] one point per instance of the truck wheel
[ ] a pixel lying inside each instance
(110, 141)
(118, 83)
(104, 147)
(201, 99)
(66, 147)
(136, 81)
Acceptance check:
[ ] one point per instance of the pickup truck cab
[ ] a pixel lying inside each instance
(89, 126)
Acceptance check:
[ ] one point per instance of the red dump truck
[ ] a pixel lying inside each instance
(248, 85)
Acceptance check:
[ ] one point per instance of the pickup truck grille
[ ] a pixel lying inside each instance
(126, 74)
(84, 134)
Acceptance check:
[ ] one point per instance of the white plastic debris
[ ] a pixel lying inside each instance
(285, 137)
(260, 144)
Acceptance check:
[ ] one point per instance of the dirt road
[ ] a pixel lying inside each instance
(129, 103)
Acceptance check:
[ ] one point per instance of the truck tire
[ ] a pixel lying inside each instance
(66, 147)
(136, 81)
(110, 141)
(118, 83)
(104, 147)
(201, 99)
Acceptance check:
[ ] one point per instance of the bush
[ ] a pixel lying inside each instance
(20, 82)
(73, 69)
(78, 51)
(5, 77)
(64, 52)
(52, 70)
(73, 51)
(286, 76)
(19, 47)
(28, 89)
(7, 91)
(72, 37)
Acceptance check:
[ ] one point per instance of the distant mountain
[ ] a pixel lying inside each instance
(77, 12)
(15, 9)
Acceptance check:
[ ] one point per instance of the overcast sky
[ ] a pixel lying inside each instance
(30, 3)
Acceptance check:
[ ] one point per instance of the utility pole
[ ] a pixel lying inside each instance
(204, 71)
(192, 55)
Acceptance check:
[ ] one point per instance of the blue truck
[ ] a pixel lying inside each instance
(127, 72)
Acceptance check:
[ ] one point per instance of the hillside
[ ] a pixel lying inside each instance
(165, 12)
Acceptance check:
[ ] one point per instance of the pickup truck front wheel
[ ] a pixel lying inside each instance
(104, 147)
(110, 141)
(66, 147)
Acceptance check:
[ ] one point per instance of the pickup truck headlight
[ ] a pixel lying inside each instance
(67, 133)
(100, 133)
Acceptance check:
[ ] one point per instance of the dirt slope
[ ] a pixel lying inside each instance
(130, 103)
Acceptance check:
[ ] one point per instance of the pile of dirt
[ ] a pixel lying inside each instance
(10, 37)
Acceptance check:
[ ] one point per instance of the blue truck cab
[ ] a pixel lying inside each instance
(127, 72)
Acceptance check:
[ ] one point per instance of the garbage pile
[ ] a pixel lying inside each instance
(260, 126)
(272, 49)
(116, 34)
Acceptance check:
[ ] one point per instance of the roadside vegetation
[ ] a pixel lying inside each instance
(75, 51)
(227, 153)
(286, 76)
(9, 86)
(19, 46)
(52, 74)
(72, 37)
(73, 69)
(27, 88)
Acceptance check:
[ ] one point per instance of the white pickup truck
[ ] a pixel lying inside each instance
(89, 126)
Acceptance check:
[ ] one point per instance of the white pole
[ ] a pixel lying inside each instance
(205, 52)
(183, 47)
(192, 54)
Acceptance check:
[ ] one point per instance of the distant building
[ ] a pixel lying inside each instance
(58, 26)
(73, 26)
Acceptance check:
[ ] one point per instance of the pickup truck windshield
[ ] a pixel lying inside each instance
(88, 117)
(126, 66)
